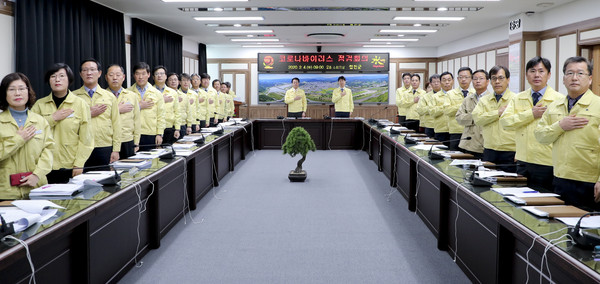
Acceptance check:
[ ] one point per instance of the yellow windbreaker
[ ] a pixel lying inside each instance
(131, 123)
(172, 113)
(153, 119)
(486, 115)
(575, 153)
(436, 110)
(221, 104)
(18, 156)
(519, 117)
(202, 107)
(72, 135)
(191, 98)
(345, 103)
(425, 118)
(408, 102)
(106, 126)
(452, 103)
(295, 105)
(211, 107)
(229, 105)
(399, 95)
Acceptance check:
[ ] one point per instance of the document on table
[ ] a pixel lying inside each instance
(466, 162)
(521, 192)
(427, 147)
(25, 213)
(493, 173)
(590, 222)
(65, 190)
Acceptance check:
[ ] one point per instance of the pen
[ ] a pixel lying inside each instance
(531, 191)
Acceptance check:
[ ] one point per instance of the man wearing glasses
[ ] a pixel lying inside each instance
(498, 143)
(534, 160)
(570, 124)
(453, 102)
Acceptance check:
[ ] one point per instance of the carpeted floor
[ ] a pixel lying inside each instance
(337, 227)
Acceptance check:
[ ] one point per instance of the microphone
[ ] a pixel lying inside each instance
(372, 120)
(435, 156)
(6, 228)
(200, 140)
(475, 180)
(582, 238)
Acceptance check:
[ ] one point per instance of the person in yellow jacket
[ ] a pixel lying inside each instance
(295, 98)
(171, 99)
(201, 102)
(152, 108)
(400, 94)
(410, 100)
(129, 112)
(425, 103)
(534, 160)
(104, 111)
(464, 115)
(192, 101)
(453, 102)
(184, 105)
(70, 120)
(25, 137)
(498, 143)
(571, 125)
(229, 105)
(211, 101)
(220, 102)
(342, 98)
(440, 120)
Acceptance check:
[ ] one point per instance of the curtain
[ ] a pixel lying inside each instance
(51, 31)
(202, 62)
(155, 46)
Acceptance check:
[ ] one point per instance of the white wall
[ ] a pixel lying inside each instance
(578, 11)
(190, 45)
(7, 49)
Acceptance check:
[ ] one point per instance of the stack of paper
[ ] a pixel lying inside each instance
(56, 190)
(131, 163)
(589, 222)
(152, 154)
(25, 213)
(183, 146)
(101, 177)
(555, 211)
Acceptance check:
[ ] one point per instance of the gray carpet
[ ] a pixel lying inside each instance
(337, 227)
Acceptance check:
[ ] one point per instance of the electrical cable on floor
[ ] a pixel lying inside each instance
(544, 256)
(417, 187)
(330, 134)
(215, 171)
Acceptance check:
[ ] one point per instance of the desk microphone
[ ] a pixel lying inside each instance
(580, 237)
(435, 156)
(475, 180)
(6, 229)
(394, 131)
(372, 120)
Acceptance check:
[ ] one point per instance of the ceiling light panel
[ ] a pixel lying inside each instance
(255, 39)
(244, 31)
(218, 19)
(408, 31)
(394, 39)
(441, 19)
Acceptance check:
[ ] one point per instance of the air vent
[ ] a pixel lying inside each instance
(325, 35)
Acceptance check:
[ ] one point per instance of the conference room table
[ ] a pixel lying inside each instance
(98, 239)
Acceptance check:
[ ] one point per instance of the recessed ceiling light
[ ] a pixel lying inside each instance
(379, 45)
(237, 25)
(400, 35)
(407, 31)
(417, 25)
(265, 45)
(442, 9)
(456, 0)
(216, 19)
(243, 31)
(218, 9)
(254, 39)
(394, 39)
(188, 1)
(429, 18)
(250, 35)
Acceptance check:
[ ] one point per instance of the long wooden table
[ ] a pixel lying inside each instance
(96, 239)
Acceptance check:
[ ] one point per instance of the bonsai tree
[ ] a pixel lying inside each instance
(298, 142)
